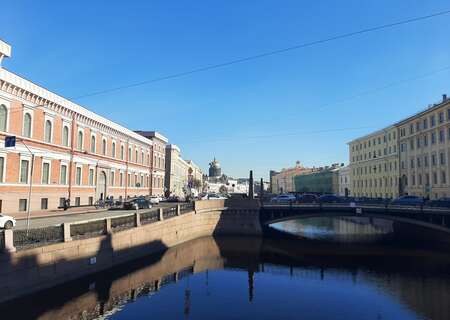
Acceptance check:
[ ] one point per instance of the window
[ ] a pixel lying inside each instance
(65, 136)
(91, 177)
(44, 203)
(63, 174)
(104, 147)
(137, 156)
(113, 149)
(2, 171)
(121, 152)
(142, 157)
(77, 201)
(129, 180)
(3, 117)
(93, 144)
(23, 204)
(443, 177)
(91, 201)
(442, 158)
(45, 172)
(434, 178)
(425, 161)
(441, 136)
(78, 176)
(48, 131)
(121, 179)
(433, 121)
(433, 159)
(61, 202)
(80, 140)
(425, 140)
(24, 165)
(441, 117)
(142, 181)
(27, 125)
(112, 178)
(433, 138)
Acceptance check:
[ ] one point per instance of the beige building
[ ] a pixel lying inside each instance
(64, 151)
(195, 176)
(177, 172)
(345, 185)
(425, 152)
(283, 181)
(374, 164)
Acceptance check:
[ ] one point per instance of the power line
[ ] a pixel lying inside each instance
(264, 54)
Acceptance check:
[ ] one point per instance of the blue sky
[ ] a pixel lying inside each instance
(263, 114)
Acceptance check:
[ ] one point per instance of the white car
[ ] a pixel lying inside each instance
(154, 199)
(216, 197)
(7, 222)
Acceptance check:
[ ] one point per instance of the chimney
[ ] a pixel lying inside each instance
(444, 97)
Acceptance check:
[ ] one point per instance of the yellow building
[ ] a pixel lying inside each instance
(374, 164)
(425, 152)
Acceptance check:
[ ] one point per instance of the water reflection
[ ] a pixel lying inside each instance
(238, 277)
(341, 229)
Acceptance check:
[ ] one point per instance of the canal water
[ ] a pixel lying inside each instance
(282, 276)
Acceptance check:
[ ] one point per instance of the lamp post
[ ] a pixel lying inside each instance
(30, 186)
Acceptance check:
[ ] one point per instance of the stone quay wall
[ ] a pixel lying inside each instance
(29, 270)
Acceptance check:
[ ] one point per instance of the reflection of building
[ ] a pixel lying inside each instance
(177, 172)
(74, 153)
(319, 180)
(425, 152)
(344, 181)
(214, 169)
(283, 181)
(374, 164)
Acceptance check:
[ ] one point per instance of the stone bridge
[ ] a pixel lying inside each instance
(433, 218)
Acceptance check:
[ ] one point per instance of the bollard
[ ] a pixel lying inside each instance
(178, 210)
(66, 231)
(9, 240)
(161, 217)
(137, 219)
(108, 226)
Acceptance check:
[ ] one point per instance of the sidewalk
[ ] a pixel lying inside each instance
(55, 213)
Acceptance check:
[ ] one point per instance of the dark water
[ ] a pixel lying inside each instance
(259, 278)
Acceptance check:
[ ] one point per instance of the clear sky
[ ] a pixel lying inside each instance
(263, 114)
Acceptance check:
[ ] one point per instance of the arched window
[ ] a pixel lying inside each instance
(93, 144)
(65, 136)
(48, 131)
(121, 152)
(27, 125)
(80, 140)
(3, 117)
(113, 149)
(104, 147)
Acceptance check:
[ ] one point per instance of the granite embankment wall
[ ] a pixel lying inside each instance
(26, 271)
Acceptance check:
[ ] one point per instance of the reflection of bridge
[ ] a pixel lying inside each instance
(438, 219)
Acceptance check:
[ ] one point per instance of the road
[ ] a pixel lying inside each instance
(72, 217)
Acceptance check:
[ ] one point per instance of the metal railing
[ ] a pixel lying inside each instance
(87, 229)
(186, 207)
(149, 216)
(169, 212)
(37, 237)
(123, 223)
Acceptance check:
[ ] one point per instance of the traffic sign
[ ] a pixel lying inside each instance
(10, 141)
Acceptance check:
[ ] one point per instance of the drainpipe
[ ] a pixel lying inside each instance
(126, 168)
(71, 155)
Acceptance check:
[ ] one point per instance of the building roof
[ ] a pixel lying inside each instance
(152, 134)
(37, 90)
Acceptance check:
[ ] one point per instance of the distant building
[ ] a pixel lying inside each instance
(283, 181)
(214, 169)
(345, 181)
(177, 172)
(323, 180)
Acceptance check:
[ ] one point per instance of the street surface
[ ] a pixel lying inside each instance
(72, 217)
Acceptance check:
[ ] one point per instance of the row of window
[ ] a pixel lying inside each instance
(422, 141)
(423, 124)
(369, 143)
(387, 166)
(425, 179)
(386, 151)
(65, 140)
(375, 183)
(375, 195)
(424, 161)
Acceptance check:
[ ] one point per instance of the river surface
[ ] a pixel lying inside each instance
(262, 278)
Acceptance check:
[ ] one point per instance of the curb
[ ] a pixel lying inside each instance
(60, 214)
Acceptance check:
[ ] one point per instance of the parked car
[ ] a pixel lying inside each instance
(284, 198)
(330, 198)
(154, 199)
(141, 203)
(307, 198)
(441, 203)
(215, 196)
(7, 222)
(408, 201)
